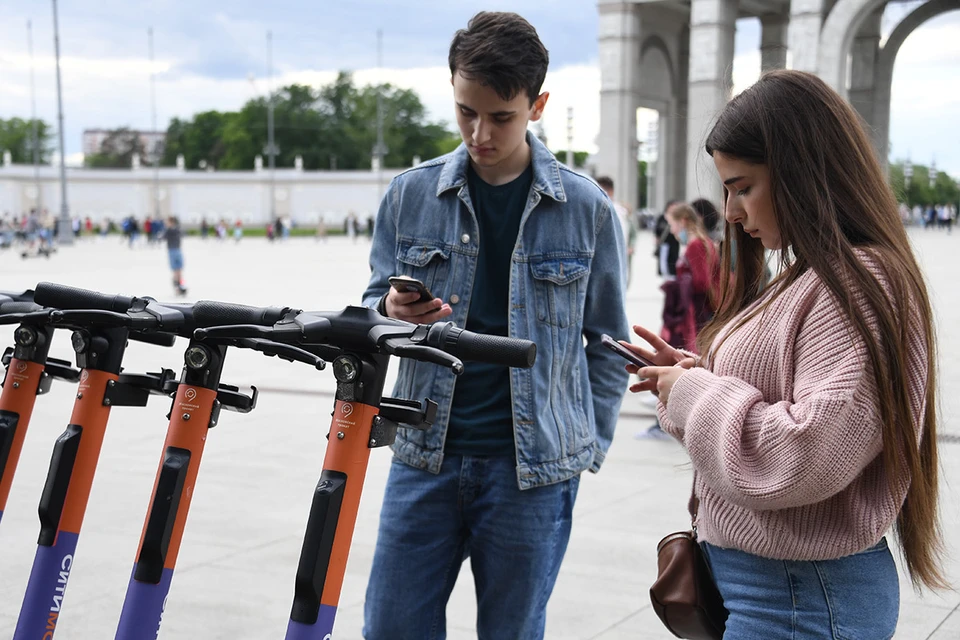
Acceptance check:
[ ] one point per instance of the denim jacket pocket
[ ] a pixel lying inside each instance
(426, 260)
(559, 287)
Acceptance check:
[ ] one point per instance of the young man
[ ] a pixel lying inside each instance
(175, 254)
(512, 243)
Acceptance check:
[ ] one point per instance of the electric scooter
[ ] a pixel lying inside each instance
(29, 373)
(99, 340)
(361, 342)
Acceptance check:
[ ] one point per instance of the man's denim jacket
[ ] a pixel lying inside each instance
(566, 289)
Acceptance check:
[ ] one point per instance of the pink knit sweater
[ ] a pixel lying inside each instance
(784, 434)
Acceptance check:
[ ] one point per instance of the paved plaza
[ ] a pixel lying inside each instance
(234, 576)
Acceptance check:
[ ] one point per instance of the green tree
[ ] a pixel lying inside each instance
(406, 131)
(579, 158)
(16, 136)
(918, 191)
(117, 150)
(450, 143)
(330, 127)
(201, 139)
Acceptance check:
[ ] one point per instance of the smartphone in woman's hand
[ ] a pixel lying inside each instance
(625, 353)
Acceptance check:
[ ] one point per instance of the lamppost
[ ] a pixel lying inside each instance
(64, 228)
(380, 148)
(33, 120)
(271, 149)
(907, 179)
(933, 174)
(157, 150)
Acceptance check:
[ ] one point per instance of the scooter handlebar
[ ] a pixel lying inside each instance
(18, 307)
(211, 313)
(17, 296)
(479, 347)
(60, 296)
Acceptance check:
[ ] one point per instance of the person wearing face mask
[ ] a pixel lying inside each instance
(689, 296)
(811, 418)
(697, 271)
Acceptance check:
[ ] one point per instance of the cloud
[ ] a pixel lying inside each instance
(204, 63)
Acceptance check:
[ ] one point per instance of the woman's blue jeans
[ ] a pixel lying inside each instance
(856, 597)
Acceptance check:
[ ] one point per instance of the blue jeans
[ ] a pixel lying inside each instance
(430, 523)
(856, 597)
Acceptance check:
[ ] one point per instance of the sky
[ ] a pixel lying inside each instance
(212, 55)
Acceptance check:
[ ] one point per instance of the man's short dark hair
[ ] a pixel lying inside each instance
(502, 51)
(605, 182)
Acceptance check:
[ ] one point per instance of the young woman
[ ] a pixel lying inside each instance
(690, 307)
(811, 417)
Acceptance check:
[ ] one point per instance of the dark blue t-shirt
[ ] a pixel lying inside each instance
(481, 418)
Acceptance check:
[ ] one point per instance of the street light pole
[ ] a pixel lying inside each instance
(907, 179)
(153, 123)
(271, 149)
(64, 228)
(36, 125)
(380, 148)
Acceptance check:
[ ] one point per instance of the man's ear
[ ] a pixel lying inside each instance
(538, 106)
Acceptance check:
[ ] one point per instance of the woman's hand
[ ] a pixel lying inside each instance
(659, 380)
(671, 364)
(662, 354)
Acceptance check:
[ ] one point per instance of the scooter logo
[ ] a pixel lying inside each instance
(163, 609)
(83, 376)
(346, 409)
(54, 614)
(190, 394)
(21, 367)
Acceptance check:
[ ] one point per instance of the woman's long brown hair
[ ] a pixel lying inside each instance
(830, 197)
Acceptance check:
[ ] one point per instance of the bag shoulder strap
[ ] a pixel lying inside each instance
(693, 505)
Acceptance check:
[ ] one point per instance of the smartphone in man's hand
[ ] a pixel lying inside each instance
(406, 284)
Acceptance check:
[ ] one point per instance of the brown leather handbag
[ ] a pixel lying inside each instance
(684, 594)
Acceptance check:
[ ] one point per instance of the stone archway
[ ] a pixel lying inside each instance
(643, 63)
(886, 61)
(841, 26)
(658, 92)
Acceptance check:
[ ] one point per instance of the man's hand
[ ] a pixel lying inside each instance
(406, 306)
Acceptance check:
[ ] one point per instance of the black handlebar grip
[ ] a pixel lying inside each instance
(210, 313)
(479, 347)
(59, 296)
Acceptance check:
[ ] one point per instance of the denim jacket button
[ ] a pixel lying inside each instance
(454, 299)
(465, 238)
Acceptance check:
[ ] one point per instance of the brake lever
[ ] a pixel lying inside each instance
(32, 316)
(326, 351)
(233, 332)
(286, 352)
(425, 354)
(102, 318)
